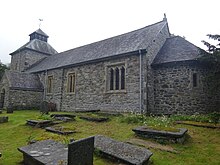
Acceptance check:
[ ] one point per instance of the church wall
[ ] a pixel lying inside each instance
(91, 87)
(22, 60)
(56, 95)
(4, 86)
(152, 51)
(24, 99)
(174, 91)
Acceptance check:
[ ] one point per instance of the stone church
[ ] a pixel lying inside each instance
(145, 71)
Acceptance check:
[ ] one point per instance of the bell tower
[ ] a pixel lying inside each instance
(32, 52)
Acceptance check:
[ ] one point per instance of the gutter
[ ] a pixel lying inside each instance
(140, 104)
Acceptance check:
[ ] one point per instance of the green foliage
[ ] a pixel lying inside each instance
(44, 117)
(3, 67)
(215, 117)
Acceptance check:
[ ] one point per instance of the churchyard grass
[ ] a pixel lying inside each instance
(202, 147)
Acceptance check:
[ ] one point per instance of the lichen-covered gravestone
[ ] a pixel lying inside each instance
(44, 107)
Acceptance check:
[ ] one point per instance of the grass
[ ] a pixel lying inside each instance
(203, 146)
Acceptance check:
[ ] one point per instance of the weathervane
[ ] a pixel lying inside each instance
(40, 20)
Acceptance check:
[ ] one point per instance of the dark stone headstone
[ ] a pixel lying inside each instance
(44, 107)
(0, 111)
(3, 119)
(81, 152)
(121, 151)
(10, 109)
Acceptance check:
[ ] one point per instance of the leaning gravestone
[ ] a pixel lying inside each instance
(81, 152)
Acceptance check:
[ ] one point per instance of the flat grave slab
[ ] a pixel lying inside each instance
(63, 115)
(160, 134)
(59, 130)
(198, 124)
(45, 152)
(95, 119)
(50, 152)
(40, 123)
(3, 119)
(124, 152)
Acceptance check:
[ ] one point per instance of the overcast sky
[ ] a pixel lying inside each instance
(73, 23)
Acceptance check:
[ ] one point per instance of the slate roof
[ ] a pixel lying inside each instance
(39, 31)
(24, 81)
(128, 42)
(37, 45)
(177, 49)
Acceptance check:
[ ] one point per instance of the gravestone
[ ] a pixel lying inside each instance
(175, 137)
(81, 152)
(10, 109)
(0, 111)
(121, 151)
(3, 119)
(44, 107)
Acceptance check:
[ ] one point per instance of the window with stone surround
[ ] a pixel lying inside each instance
(49, 84)
(116, 77)
(195, 79)
(71, 79)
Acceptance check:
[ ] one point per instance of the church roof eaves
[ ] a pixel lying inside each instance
(104, 49)
(177, 49)
(38, 46)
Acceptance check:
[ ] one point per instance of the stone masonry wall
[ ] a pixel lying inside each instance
(4, 86)
(24, 59)
(20, 99)
(152, 51)
(174, 92)
(91, 93)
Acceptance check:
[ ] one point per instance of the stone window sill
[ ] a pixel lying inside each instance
(116, 92)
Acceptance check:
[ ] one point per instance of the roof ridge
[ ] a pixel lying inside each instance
(113, 36)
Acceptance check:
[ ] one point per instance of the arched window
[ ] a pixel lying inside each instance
(116, 79)
(122, 77)
(111, 79)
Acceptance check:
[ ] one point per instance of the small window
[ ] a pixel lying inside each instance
(71, 83)
(49, 84)
(195, 80)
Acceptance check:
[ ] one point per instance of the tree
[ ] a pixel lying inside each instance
(3, 67)
(214, 50)
(212, 59)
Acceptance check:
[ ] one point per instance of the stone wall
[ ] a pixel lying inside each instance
(174, 92)
(22, 60)
(4, 87)
(24, 99)
(90, 90)
(152, 51)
